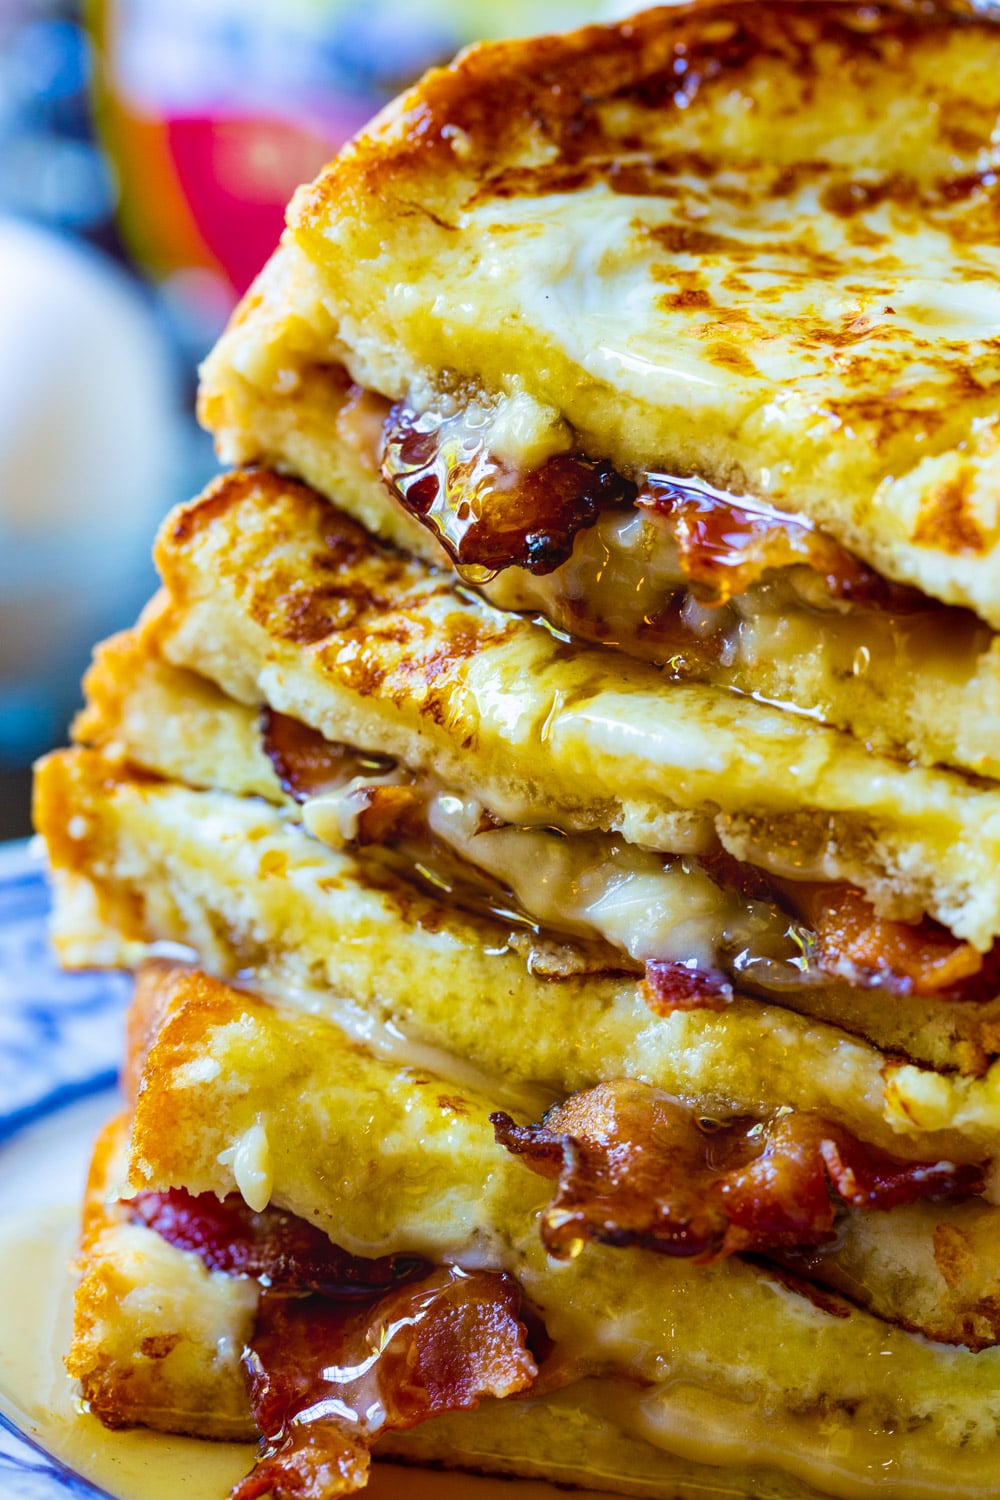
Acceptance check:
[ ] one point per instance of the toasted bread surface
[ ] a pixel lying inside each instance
(143, 1307)
(751, 244)
(170, 721)
(924, 686)
(157, 1338)
(418, 1170)
(166, 720)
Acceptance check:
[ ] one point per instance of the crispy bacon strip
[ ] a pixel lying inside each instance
(635, 1166)
(727, 543)
(916, 958)
(669, 986)
(326, 1380)
(306, 764)
(869, 951)
(487, 514)
(390, 814)
(292, 1254)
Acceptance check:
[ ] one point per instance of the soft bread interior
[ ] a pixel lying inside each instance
(157, 1338)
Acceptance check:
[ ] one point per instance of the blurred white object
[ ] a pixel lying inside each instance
(90, 427)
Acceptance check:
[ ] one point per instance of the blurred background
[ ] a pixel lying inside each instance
(147, 149)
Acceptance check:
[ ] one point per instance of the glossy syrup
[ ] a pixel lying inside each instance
(39, 1398)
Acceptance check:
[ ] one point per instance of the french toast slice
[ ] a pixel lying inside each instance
(781, 341)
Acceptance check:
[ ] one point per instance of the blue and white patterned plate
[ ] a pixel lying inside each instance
(60, 1039)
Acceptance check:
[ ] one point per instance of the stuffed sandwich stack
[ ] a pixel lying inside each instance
(561, 766)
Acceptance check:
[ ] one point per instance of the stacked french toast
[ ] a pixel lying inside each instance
(552, 805)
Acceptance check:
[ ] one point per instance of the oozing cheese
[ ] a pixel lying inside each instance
(591, 886)
(250, 1159)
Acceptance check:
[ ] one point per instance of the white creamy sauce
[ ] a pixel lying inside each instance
(519, 430)
(250, 1160)
(592, 886)
(332, 816)
(836, 1454)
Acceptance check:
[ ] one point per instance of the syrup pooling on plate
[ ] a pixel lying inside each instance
(39, 1399)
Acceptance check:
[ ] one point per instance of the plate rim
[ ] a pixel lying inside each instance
(25, 1464)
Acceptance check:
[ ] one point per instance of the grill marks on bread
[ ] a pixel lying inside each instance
(356, 599)
(539, 729)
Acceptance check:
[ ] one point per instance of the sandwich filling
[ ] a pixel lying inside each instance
(554, 1013)
(698, 925)
(669, 569)
(716, 392)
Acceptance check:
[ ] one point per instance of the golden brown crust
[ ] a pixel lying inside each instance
(924, 686)
(169, 721)
(125, 1366)
(179, 726)
(229, 878)
(554, 87)
(417, 1174)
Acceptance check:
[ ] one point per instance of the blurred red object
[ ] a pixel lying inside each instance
(213, 111)
(237, 174)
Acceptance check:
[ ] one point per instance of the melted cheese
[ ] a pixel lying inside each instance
(835, 1453)
(398, 662)
(321, 930)
(593, 886)
(250, 1160)
(417, 1168)
(332, 816)
(684, 1419)
(930, 690)
(589, 886)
